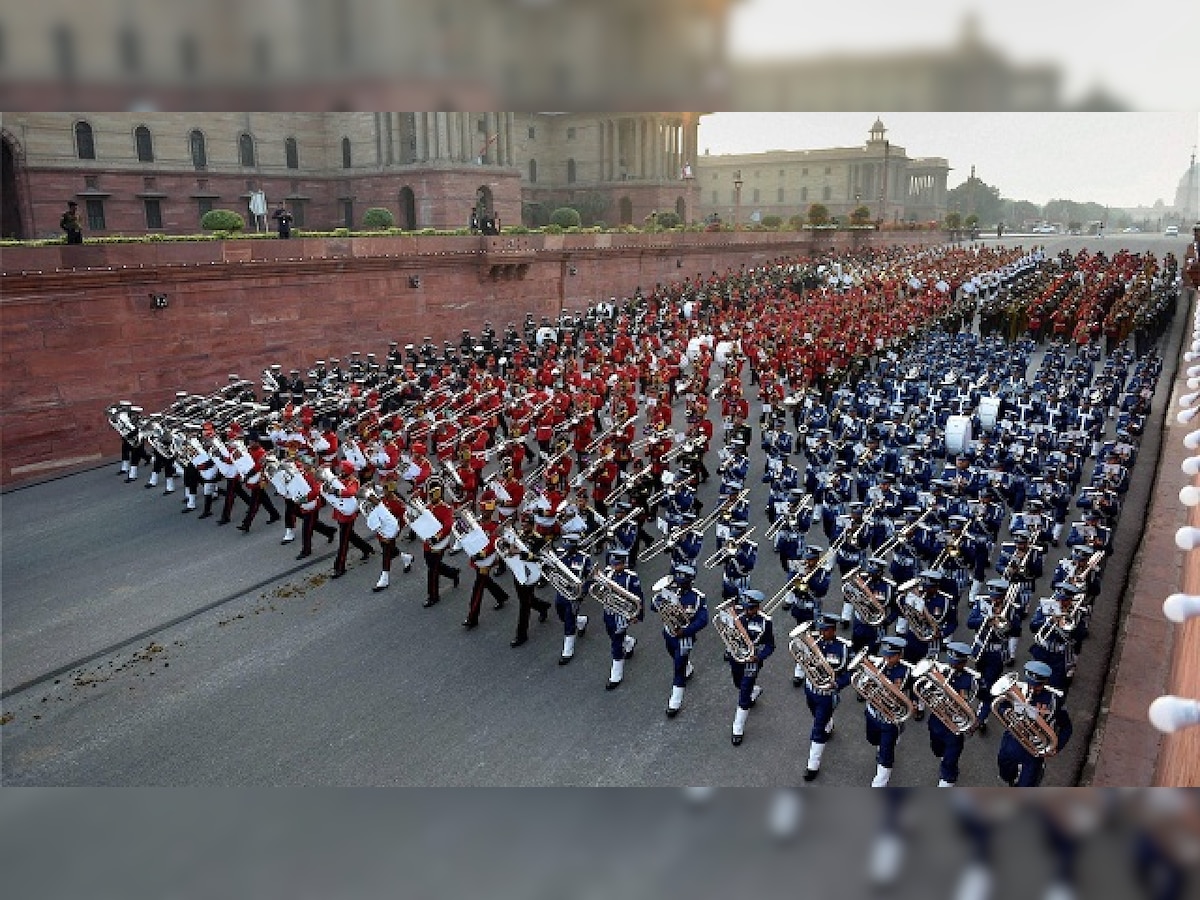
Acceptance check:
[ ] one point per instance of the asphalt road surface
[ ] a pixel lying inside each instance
(145, 647)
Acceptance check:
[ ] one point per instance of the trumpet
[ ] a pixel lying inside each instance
(730, 549)
(1023, 720)
(615, 600)
(932, 688)
(892, 704)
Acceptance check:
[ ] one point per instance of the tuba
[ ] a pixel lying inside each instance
(810, 658)
(675, 615)
(933, 689)
(892, 704)
(919, 619)
(871, 608)
(1023, 720)
(616, 600)
(561, 577)
(738, 643)
(123, 420)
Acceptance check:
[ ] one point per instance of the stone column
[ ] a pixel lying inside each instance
(617, 149)
(419, 127)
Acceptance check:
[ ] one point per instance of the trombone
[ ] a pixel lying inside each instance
(729, 549)
(804, 503)
(607, 531)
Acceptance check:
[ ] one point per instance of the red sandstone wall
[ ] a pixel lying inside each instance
(77, 331)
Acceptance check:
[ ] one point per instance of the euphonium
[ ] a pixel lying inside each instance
(892, 704)
(615, 599)
(871, 608)
(920, 621)
(810, 658)
(738, 643)
(561, 576)
(1021, 718)
(675, 615)
(931, 687)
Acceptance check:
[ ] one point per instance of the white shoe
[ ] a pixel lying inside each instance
(630, 643)
(756, 692)
(568, 649)
(1059, 891)
(676, 701)
(407, 560)
(382, 583)
(882, 776)
(616, 674)
(943, 783)
(581, 623)
(975, 883)
(691, 670)
(786, 814)
(886, 857)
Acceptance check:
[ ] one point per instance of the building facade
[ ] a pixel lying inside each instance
(785, 183)
(134, 173)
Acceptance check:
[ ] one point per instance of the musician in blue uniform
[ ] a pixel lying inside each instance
(734, 468)
(688, 543)
(1019, 562)
(1017, 766)
(745, 675)
(823, 698)
(617, 625)
(680, 641)
(789, 543)
(946, 745)
(931, 608)
(1053, 640)
(864, 633)
(736, 576)
(806, 592)
(567, 605)
(881, 733)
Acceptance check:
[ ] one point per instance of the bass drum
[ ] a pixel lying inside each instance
(989, 413)
(958, 435)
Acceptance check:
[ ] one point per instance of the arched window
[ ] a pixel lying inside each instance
(291, 153)
(345, 153)
(144, 143)
(199, 153)
(85, 146)
(532, 171)
(570, 171)
(246, 149)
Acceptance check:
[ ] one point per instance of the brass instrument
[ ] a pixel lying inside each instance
(920, 620)
(519, 559)
(682, 448)
(697, 527)
(616, 600)
(676, 617)
(593, 467)
(805, 503)
(1094, 562)
(871, 608)
(892, 704)
(903, 535)
(657, 496)
(1023, 720)
(738, 643)
(801, 580)
(613, 429)
(560, 576)
(607, 531)
(730, 549)
(469, 533)
(933, 689)
(120, 418)
(809, 657)
(627, 482)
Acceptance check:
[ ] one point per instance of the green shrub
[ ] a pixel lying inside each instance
(818, 214)
(341, 232)
(553, 228)
(669, 219)
(514, 229)
(222, 220)
(565, 217)
(772, 221)
(378, 217)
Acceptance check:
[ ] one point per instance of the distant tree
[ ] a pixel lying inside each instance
(860, 216)
(953, 221)
(772, 221)
(818, 214)
(977, 197)
(565, 217)
(378, 217)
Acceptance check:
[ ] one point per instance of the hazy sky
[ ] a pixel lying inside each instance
(1143, 52)
(1120, 159)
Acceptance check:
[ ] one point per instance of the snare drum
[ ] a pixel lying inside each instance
(989, 412)
(958, 434)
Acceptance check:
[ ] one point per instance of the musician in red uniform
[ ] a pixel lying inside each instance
(605, 478)
(436, 546)
(310, 508)
(387, 528)
(253, 481)
(233, 478)
(484, 563)
(345, 512)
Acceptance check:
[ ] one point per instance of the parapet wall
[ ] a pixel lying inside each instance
(78, 329)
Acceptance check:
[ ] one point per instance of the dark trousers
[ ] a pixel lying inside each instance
(744, 675)
(388, 547)
(233, 488)
(259, 497)
(679, 650)
(435, 566)
(1016, 766)
(528, 600)
(484, 582)
(946, 746)
(312, 522)
(347, 536)
(821, 706)
(884, 737)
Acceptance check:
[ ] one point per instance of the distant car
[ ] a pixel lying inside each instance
(1172, 231)
(1132, 229)
(1043, 229)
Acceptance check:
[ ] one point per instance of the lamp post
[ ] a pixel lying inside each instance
(737, 200)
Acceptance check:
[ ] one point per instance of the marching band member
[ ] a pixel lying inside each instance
(387, 528)
(808, 589)
(945, 744)
(745, 675)
(310, 508)
(863, 634)
(823, 699)
(253, 481)
(617, 626)
(686, 542)
(1019, 562)
(880, 733)
(680, 637)
(928, 597)
(525, 583)
(790, 542)
(567, 606)
(736, 575)
(435, 547)
(1053, 640)
(233, 478)
(484, 562)
(1017, 766)
(345, 513)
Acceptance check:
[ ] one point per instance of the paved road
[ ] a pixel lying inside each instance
(144, 647)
